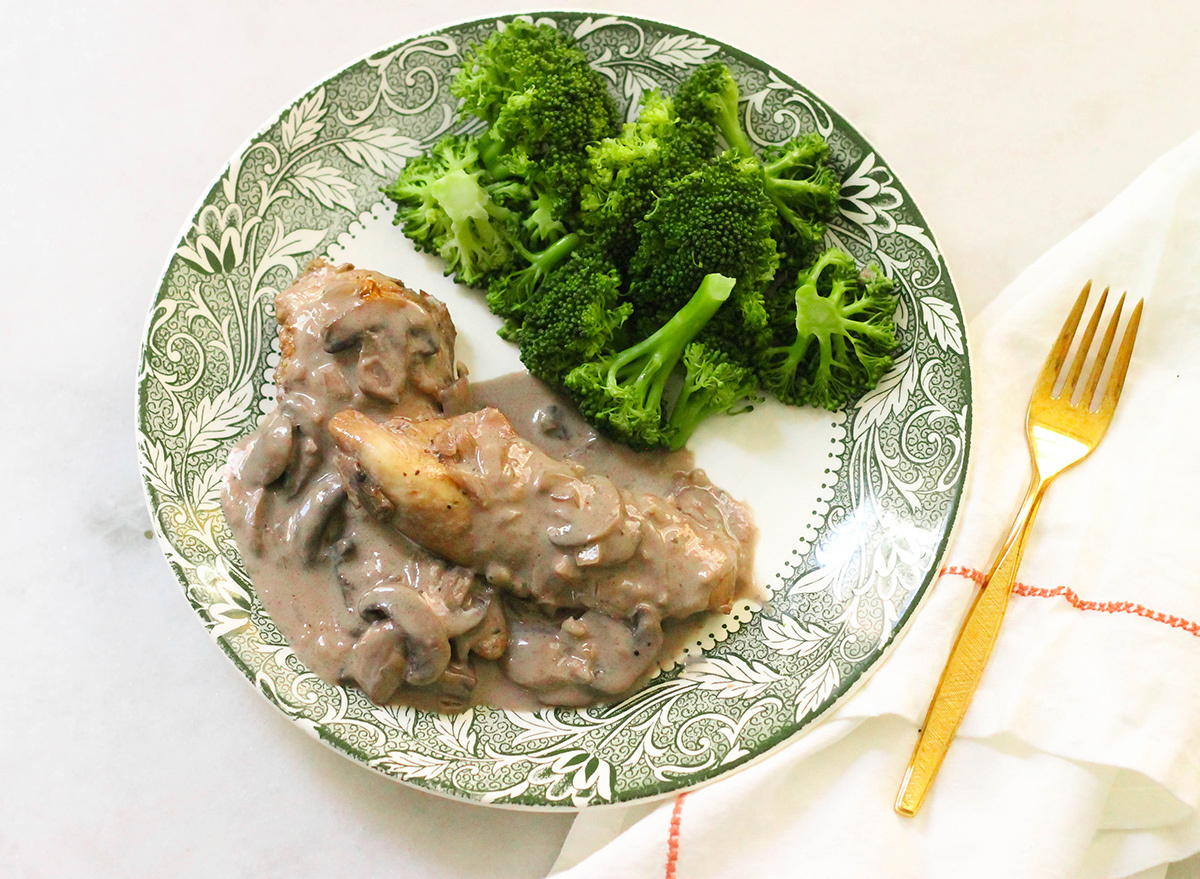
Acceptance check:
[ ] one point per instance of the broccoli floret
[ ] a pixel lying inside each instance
(544, 106)
(716, 219)
(509, 294)
(797, 253)
(574, 317)
(626, 174)
(622, 393)
(499, 67)
(447, 204)
(711, 94)
(797, 175)
(834, 338)
(803, 185)
(541, 222)
(712, 383)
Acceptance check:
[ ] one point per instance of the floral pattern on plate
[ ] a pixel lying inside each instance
(842, 589)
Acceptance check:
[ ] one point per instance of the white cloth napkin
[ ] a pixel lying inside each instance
(1080, 756)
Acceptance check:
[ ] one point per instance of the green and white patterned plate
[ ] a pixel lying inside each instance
(855, 508)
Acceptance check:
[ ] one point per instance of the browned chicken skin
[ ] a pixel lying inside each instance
(473, 492)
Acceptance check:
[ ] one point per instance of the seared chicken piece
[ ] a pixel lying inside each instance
(351, 337)
(472, 491)
(388, 614)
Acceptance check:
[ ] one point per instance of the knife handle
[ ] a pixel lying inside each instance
(967, 660)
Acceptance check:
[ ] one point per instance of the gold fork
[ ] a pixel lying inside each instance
(1061, 431)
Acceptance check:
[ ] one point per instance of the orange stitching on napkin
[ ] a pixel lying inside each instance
(1080, 604)
(970, 573)
(673, 838)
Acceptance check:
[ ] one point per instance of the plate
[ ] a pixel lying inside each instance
(855, 508)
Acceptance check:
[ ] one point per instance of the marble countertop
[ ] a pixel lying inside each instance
(129, 746)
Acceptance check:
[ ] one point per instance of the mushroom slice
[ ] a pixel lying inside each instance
(382, 359)
(489, 639)
(588, 510)
(310, 525)
(378, 662)
(370, 315)
(426, 647)
(268, 454)
(621, 650)
(573, 661)
(394, 352)
(455, 687)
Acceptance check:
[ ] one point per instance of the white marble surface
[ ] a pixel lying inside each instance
(129, 746)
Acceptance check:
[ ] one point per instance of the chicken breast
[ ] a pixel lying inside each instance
(472, 491)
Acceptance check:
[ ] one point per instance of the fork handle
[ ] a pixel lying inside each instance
(967, 660)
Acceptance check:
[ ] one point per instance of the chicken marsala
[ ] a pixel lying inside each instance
(403, 537)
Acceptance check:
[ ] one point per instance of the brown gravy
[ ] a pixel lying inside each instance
(363, 603)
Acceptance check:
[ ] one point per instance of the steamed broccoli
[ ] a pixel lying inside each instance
(796, 253)
(541, 219)
(447, 204)
(712, 383)
(622, 393)
(716, 219)
(574, 317)
(711, 94)
(796, 175)
(509, 294)
(591, 239)
(802, 184)
(544, 106)
(834, 338)
(626, 174)
(623, 178)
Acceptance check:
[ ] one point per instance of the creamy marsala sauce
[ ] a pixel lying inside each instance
(443, 545)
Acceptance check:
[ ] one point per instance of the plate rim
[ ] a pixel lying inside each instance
(770, 746)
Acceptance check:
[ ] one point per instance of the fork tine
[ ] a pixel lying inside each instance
(1116, 380)
(1089, 390)
(1044, 386)
(1085, 343)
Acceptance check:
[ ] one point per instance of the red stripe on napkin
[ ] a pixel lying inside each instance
(1080, 604)
(673, 838)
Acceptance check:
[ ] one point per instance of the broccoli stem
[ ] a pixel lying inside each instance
(816, 316)
(541, 223)
(788, 194)
(494, 156)
(807, 153)
(510, 296)
(827, 318)
(547, 260)
(653, 359)
(690, 409)
(730, 126)
(792, 185)
(461, 197)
